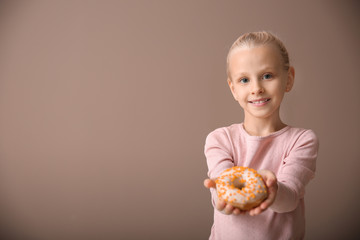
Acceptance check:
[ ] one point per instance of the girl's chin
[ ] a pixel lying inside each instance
(262, 115)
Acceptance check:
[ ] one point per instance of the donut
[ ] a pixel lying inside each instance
(241, 187)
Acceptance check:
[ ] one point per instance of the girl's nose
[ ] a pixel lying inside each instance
(257, 88)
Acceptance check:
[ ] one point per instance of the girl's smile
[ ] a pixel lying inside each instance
(260, 102)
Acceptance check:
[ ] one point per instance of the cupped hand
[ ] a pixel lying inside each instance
(221, 205)
(272, 187)
(270, 181)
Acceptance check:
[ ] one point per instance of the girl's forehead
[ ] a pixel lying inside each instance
(244, 55)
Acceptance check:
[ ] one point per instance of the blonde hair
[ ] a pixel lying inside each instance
(254, 39)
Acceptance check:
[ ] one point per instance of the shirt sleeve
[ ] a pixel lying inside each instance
(218, 156)
(297, 169)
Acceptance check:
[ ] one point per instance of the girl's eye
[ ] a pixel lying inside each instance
(267, 76)
(244, 80)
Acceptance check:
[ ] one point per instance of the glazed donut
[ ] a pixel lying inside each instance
(241, 187)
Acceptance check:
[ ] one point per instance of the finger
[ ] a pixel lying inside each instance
(228, 209)
(251, 212)
(270, 182)
(220, 205)
(268, 176)
(236, 211)
(270, 199)
(265, 204)
(208, 183)
(255, 211)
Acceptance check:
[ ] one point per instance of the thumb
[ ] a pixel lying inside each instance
(268, 176)
(208, 183)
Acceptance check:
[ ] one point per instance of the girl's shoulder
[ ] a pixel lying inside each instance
(302, 133)
(228, 131)
(303, 137)
(226, 136)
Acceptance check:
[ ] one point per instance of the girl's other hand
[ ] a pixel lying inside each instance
(272, 186)
(221, 205)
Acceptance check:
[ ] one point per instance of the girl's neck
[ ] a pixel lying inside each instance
(262, 127)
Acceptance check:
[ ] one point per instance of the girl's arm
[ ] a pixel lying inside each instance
(219, 157)
(297, 169)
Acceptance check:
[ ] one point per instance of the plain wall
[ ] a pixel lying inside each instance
(105, 106)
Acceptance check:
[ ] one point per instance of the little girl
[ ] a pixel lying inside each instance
(259, 74)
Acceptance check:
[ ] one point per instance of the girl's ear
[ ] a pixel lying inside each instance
(231, 88)
(290, 80)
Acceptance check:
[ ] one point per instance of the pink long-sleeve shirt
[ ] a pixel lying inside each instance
(290, 153)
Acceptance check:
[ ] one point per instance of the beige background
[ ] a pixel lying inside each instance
(105, 106)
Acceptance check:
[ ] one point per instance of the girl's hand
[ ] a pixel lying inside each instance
(221, 205)
(272, 186)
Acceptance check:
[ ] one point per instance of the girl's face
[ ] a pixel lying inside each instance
(259, 81)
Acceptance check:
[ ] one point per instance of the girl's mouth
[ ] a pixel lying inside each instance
(260, 102)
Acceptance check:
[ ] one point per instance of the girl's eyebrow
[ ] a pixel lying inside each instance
(240, 74)
(268, 68)
(265, 69)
